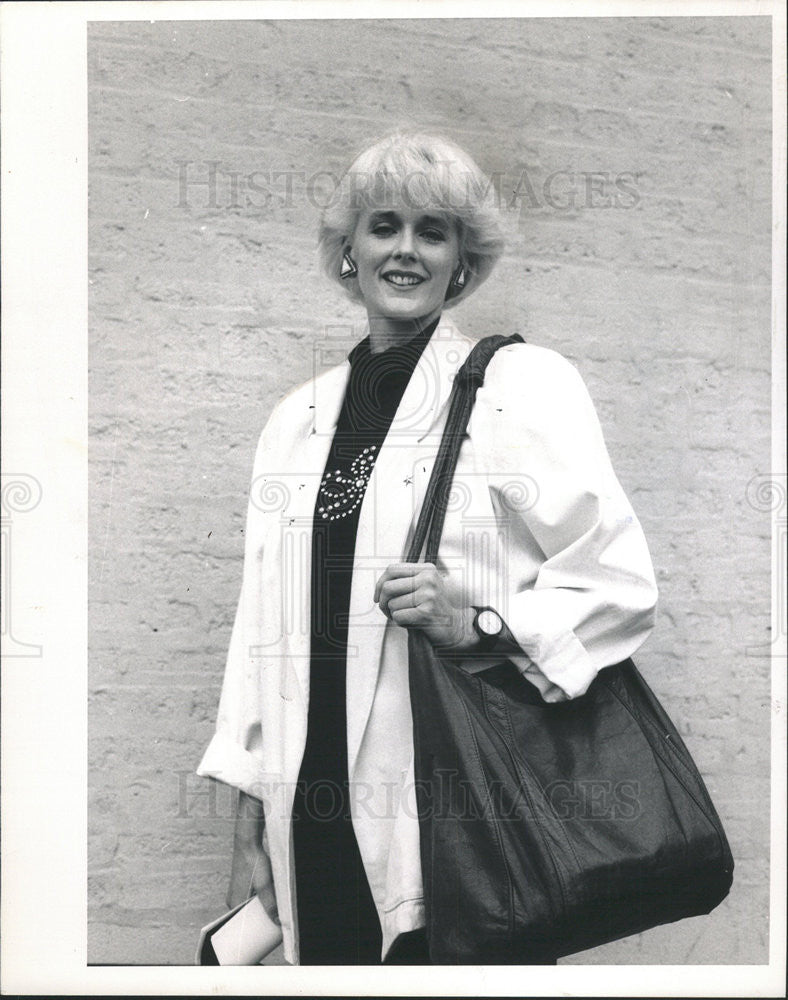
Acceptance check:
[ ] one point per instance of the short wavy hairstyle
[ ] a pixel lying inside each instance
(423, 171)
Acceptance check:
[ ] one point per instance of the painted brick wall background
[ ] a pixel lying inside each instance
(205, 305)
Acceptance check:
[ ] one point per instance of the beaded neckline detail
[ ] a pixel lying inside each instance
(341, 492)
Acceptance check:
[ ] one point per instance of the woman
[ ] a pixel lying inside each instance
(542, 561)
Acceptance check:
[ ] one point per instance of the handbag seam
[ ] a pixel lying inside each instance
(522, 763)
(684, 758)
(529, 797)
(522, 760)
(494, 824)
(657, 749)
(665, 739)
(709, 811)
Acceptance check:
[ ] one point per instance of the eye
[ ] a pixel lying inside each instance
(434, 236)
(382, 229)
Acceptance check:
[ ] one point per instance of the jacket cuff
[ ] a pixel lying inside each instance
(549, 691)
(560, 658)
(227, 761)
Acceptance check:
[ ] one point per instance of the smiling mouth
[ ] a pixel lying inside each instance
(403, 279)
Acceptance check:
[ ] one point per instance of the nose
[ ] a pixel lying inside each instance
(406, 247)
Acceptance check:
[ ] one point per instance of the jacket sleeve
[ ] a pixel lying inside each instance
(592, 602)
(234, 753)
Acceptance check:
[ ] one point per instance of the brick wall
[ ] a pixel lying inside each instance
(634, 158)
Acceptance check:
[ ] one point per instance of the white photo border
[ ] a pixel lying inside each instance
(44, 325)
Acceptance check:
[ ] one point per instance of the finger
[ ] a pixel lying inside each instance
(382, 579)
(406, 598)
(266, 896)
(395, 588)
(378, 585)
(407, 617)
(396, 571)
(404, 603)
(425, 612)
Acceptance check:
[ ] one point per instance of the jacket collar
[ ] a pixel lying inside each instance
(425, 397)
(405, 355)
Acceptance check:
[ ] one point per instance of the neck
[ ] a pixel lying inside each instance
(385, 332)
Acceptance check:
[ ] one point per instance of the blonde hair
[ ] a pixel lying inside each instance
(426, 172)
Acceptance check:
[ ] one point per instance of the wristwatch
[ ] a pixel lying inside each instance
(488, 626)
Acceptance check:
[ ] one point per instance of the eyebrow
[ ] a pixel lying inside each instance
(389, 216)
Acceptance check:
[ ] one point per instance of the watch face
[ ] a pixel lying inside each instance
(489, 622)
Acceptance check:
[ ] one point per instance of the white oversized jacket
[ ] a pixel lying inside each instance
(538, 528)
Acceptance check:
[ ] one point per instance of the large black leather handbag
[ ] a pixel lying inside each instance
(547, 828)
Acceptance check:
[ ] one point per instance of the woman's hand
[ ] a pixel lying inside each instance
(251, 874)
(415, 595)
(251, 867)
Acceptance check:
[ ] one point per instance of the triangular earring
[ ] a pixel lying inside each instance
(458, 278)
(348, 267)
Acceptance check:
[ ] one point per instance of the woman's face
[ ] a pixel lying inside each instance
(405, 259)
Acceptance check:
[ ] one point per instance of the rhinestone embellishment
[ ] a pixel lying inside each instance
(340, 493)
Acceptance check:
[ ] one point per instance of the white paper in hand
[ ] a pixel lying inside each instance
(246, 937)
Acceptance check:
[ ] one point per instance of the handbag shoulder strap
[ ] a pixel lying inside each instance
(463, 395)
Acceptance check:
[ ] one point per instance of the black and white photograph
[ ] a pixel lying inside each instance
(428, 496)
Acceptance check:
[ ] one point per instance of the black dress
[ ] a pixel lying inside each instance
(337, 920)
